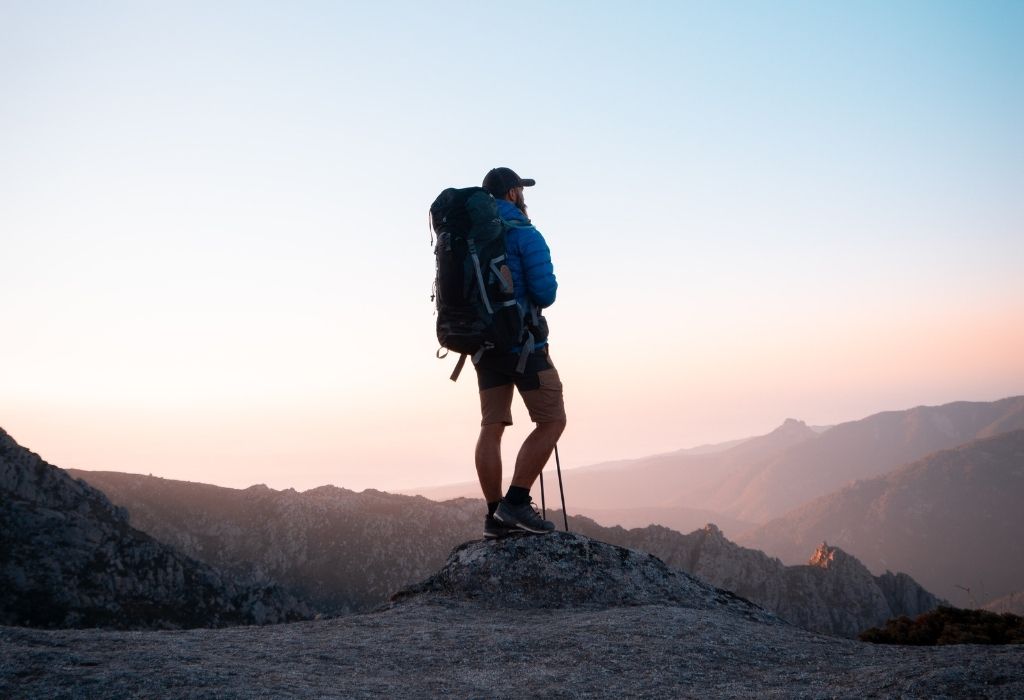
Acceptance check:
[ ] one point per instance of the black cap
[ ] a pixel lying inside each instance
(500, 180)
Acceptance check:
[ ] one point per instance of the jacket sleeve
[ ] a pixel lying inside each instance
(538, 271)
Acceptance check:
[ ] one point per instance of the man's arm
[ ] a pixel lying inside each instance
(541, 285)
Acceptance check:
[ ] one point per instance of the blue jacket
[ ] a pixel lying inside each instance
(529, 259)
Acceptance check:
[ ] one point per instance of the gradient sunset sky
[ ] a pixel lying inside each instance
(215, 261)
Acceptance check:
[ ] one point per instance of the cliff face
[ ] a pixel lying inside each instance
(68, 558)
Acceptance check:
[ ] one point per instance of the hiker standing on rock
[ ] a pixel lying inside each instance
(534, 284)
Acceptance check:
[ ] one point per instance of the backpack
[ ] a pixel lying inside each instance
(473, 289)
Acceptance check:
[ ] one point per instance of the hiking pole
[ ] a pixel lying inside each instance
(558, 466)
(543, 508)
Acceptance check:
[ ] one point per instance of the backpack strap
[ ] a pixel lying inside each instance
(528, 346)
(458, 367)
(462, 361)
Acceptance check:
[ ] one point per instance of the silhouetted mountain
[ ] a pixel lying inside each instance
(676, 518)
(347, 551)
(674, 486)
(68, 558)
(858, 450)
(953, 520)
(1013, 603)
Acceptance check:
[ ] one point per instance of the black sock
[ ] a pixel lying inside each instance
(491, 507)
(517, 495)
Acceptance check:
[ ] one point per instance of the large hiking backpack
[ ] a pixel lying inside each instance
(473, 290)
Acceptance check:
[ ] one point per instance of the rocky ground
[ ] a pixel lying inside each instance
(464, 649)
(590, 620)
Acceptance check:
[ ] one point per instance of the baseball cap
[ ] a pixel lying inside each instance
(500, 180)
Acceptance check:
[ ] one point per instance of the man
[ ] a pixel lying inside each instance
(533, 277)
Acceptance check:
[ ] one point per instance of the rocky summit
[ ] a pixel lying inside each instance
(568, 570)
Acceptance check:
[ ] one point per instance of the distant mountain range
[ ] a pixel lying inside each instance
(345, 551)
(1013, 603)
(859, 450)
(832, 592)
(339, 550)
(954, 519)
(68, 558)
(758, 479)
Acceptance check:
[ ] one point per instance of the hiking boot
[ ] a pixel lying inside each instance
(523, 517)
(495, 529)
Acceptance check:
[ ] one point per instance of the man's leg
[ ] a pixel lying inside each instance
(496, 411)
(535, 453)
(547, 411)
(496, 408)
(488, 460)
(542, 394)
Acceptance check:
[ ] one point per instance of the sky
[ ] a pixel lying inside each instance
(215, 263)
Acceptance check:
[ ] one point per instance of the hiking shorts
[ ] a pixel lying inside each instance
(539, 385)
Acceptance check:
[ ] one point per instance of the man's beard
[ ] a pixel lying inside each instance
(520, 202)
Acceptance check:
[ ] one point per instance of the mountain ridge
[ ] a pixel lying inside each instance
(69, 558)
(951, 518)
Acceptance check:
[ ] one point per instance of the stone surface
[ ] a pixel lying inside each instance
(569, 570)
(462, 633)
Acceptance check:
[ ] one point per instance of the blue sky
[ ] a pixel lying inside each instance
(213, 219)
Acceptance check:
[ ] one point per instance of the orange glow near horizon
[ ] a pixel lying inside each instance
(665, 398)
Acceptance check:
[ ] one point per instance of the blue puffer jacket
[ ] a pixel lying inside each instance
(529, 259)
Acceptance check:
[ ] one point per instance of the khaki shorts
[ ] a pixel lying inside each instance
(539, 385)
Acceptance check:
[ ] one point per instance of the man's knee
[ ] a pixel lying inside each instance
(553, 428)
(491, 431)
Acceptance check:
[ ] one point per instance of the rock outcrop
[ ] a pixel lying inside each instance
(569, 570)
(68, 558)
